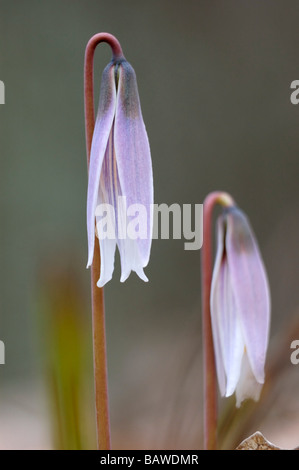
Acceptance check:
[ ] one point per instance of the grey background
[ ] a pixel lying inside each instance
(214, 83)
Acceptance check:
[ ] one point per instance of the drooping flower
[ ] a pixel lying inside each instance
(120, 169)
(240, 308)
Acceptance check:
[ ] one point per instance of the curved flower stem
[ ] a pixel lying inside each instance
(88, 80)
(97, 294)
(210, 379)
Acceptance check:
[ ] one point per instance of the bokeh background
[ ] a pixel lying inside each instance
(214, 82)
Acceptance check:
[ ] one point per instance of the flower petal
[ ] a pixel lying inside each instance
(128, 248)
(250, 285)
(247, 386)
(108, 194)
(230, 333)
(133, 158)
(216, 306)
(130, 259)
(107, 249)
(225, 320)
(102, 129)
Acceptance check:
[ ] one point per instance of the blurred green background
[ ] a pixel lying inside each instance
(214, 82)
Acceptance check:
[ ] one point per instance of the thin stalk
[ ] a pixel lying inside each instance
(97, 294)
(209, 366)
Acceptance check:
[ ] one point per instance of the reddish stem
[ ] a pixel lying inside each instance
(88, 80)
(210, 378)
(97, 294)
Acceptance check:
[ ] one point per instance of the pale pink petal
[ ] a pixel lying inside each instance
(250, 286)
(101, 134)
(226, 325)
(133, 156)
(109, 191)
(216, 303)
(130, 259)
(230, 333)
(247, 386)
(128, 248)
(107, 249)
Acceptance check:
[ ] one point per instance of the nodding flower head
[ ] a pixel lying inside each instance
(240, 308)
(120, 170)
